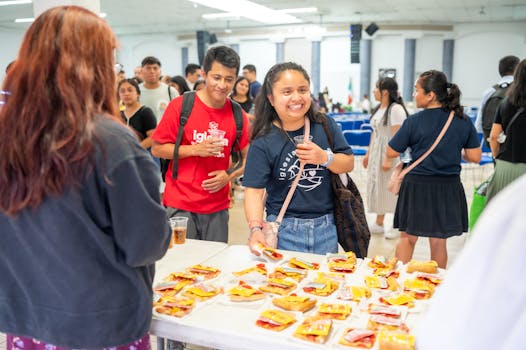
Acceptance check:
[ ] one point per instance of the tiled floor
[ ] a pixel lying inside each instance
(471, 176)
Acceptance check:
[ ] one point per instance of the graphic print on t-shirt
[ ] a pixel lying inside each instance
(212, 132)
(309, 180)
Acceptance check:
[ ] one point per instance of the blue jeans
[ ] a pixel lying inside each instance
(317, 235)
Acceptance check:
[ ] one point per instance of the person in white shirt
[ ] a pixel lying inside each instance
(482, 302)
(155, 94)
(192, 74)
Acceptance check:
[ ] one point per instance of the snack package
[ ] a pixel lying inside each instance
(275, 320)
(430, 266)
(314, 329)
(295, 303)
(358, 338)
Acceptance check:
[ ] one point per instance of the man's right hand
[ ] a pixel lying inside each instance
(208, 148)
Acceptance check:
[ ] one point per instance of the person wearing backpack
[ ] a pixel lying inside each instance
(494, 95)
(198, 175)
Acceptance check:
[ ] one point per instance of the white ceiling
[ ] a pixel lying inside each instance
(183, 18)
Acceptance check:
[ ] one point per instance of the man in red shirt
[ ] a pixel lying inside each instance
(200, 191)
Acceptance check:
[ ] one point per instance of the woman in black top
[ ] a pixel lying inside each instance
(432, 202)
(140, 118)
(241, 94)
(510, 156)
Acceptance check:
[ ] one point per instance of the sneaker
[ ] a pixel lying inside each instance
(392, 233)
(376, 229)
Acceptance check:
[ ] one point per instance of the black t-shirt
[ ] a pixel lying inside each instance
(420, 130)
(514, 149)
(142, 121)
(272, 164)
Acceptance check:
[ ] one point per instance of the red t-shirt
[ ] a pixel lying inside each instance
(185, 192)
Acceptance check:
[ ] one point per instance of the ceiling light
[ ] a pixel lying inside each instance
(300, 10)
(24, 20)
(249, 9)
(15, 2)
(31, 19)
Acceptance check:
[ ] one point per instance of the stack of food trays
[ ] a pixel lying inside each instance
(327, 301)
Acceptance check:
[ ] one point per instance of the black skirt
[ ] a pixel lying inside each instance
(431, 206)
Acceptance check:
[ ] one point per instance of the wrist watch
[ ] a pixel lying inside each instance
(330, 158)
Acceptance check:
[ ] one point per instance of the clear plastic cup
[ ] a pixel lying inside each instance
(179, 226)
(301, 139)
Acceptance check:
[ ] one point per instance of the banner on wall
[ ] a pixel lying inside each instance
(349, 92)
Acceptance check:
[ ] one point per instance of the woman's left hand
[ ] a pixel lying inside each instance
(387, 164)
(311, 153)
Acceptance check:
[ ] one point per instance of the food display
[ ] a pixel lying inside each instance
(334, 301)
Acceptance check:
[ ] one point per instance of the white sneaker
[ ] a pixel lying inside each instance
(376, 229)
(392, 233)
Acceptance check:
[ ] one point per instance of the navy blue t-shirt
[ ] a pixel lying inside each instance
(272, 164)
(420, 130)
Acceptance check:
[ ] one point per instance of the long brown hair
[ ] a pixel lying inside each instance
(62, 79)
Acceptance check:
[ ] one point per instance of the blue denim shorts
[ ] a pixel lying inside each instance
(316, 235)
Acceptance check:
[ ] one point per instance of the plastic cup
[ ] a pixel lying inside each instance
(179, 226)
(301, 139)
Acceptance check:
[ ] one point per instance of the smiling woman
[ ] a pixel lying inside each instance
(273, 162)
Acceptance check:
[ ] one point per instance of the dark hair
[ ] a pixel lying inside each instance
(150, 60)
(191, 68)
(65, 70)
(132, 82)
(181, 82)
(448, 94)
(507, 65)
(9, 65)
(390, 85)
(222, 54)
(234, 91)
(250, 67)
(265, 112)
(197, 83)
(517, 91)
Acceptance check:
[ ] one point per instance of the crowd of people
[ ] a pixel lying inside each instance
(80, 174)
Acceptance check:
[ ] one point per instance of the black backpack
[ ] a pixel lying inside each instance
(490, 107)
(186, 110)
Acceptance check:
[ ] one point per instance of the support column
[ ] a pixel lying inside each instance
(365, 68)
(280, 54)
(184, 59)
(315, 69)
(409, 69)
(448, 49)
(235, 47)
(40, 6)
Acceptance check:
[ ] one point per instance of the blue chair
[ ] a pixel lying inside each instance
(357, 137)
(366, 126)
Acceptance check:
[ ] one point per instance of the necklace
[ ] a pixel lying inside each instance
(290, 138)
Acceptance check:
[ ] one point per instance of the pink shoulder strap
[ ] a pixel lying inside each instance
(286, 203)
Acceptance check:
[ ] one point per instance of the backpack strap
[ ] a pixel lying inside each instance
(169, 93)
(188, 104)
(238, 117)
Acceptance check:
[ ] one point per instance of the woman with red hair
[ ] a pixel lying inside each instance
(80, 221)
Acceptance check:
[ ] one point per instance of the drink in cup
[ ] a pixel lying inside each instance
(179, 226)
(301, 139)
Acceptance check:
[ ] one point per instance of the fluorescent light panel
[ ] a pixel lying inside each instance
(15, 2)
(28, 20)
(231, 15)
(249, 9)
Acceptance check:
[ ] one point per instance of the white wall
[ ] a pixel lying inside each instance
(11, 41)
(428, 53)
(478, 49)
(261, 53)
